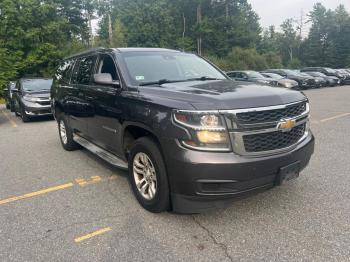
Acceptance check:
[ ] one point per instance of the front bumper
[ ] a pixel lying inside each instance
(34, 109)
(204, 180)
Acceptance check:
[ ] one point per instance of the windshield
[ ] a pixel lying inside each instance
(293, 73)
(274, 76)
(144, 67)
(331, 71)
(317, 74)
(31, 85)
(12, 85)
(304, 74)
(254, 74)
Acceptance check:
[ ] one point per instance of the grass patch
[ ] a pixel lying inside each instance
(2, 101)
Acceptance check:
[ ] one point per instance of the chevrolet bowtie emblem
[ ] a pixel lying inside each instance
(285, 125)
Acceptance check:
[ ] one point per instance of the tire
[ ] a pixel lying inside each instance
(24, 116)
(157, 180)
(66, 134)
(7, 106)
(12, 107)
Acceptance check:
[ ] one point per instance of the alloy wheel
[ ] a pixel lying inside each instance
(63, 132)
(145, 176)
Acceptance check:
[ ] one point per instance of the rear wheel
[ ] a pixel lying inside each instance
(7, 106)
(148, 176)
(66, 134)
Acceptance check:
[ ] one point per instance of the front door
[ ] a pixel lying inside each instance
(105, 126)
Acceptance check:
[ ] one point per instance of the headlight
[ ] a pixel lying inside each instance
(208, 130)
(264, 82)
(31, 99)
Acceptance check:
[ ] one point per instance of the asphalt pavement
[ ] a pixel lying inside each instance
(72, 206)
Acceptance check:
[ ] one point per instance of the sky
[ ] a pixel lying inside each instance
(274, 12)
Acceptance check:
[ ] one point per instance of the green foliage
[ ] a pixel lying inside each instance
(36, 34)
(246, 59)
(329, 37)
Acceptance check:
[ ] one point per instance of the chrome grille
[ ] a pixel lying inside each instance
(273, 140)
(255, 117)
(257, 131)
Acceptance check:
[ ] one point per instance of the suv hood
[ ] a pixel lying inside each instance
(219, 95)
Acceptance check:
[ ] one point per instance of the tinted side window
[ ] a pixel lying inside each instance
(85, 70)
(106, 65)
(239, 75)
(64, 71)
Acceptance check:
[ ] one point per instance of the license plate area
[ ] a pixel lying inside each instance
(288, 173)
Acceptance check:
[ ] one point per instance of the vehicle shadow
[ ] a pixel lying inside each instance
(40, 119)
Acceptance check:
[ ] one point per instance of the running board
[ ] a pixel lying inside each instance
(105, 155)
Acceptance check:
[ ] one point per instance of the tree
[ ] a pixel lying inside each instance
(35, 34)
(289, 42)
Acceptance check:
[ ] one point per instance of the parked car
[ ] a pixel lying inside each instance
(32, 98)
(327, 71)
(191, 138)
(320, 81)
(8, 95)
(345, 76)
(330, 80)
(251, 76)
(282, 81)
(303, 81)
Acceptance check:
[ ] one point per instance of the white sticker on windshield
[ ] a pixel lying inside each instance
(140, 78)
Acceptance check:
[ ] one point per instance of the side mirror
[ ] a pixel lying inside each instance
(105, 79)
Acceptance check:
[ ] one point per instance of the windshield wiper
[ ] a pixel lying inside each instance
(167, 81)
(202, 78)
(161, 82)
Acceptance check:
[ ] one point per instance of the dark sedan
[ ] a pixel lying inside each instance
(32, 98)
(327, 71)
(345, 76)
(251, 76)
(304, 82)
(282, 81)
(330, 80)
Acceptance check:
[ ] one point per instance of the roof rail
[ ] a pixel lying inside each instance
(86, 52)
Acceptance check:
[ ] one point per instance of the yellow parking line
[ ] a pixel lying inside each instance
(80, 181)
(37, 193)
(98, 232)
(334, 117)
(9, 119)
(83, 182)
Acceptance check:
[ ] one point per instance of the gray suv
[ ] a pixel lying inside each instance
(190, 137)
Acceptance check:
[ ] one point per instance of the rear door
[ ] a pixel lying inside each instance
(105, 126)
(80, 110)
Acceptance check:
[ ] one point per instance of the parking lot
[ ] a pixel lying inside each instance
(71, 206)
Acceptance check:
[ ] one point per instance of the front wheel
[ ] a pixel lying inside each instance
(147, 174)
(24, 116)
